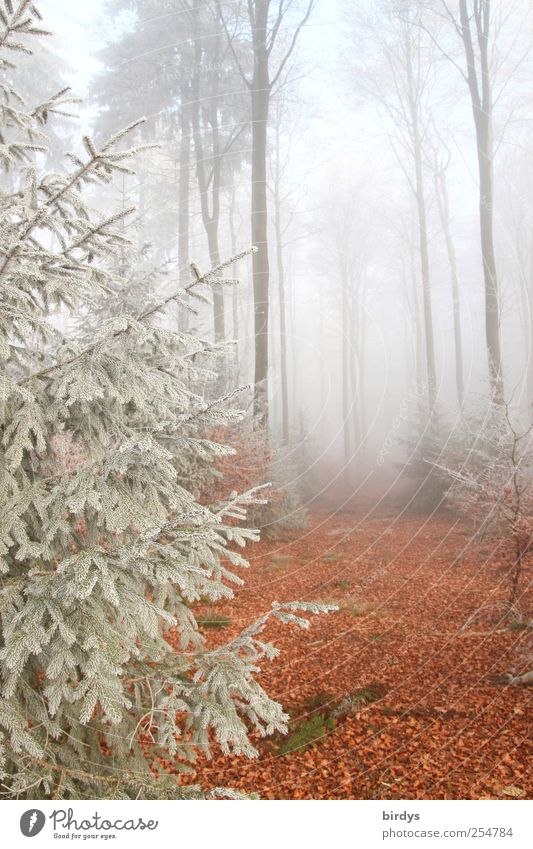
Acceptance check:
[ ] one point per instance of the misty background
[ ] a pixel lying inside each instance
(353, 257)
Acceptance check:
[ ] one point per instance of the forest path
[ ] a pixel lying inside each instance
(423, 720)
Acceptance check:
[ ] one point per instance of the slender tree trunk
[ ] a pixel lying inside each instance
(322, 346)
(282, 297)
(260, 92)
(481, 98)
(264, 33)
(516, 573)
(422, 230)
(492, 319)
(441, 191)
(426, 290)
(346, 417)
(214, 220)
(234, 295)
(218, 294)
(361, 345)
(523, 267)
(414, 282)
(354, 373)
(295, 377)
(183, 198)
(210, 216)
(260, 259)
(530, 341)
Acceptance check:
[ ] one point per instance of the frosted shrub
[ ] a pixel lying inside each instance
(493, 483)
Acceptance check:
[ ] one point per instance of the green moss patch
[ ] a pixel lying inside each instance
(307, 733)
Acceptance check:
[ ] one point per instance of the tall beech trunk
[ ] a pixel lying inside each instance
(234, 293)
(418, 350)
(281, 295)
(426, 284)
(529, 314)
(322, 343)
(346, 369)
(183, 198)
(354, 374)
(209, 183)
(264, 35)
(480, 87)
(260, 95)
(361, 350)
(441, 192)
(419, 190)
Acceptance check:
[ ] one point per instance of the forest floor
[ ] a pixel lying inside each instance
(392, 696)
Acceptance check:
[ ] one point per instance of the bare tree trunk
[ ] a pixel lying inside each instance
(218, 294)
(354, 373)
(295, 377)
(422, 227)
(210, 217)
(183, 198)
(346, 417)
(481, 98)
(413, 283)
(322, 346)
(234, 296)
(426, 290)
(264, 34)
(282, 297)
(530, 341)
(260, 93)
(361, 340)
(441, 192)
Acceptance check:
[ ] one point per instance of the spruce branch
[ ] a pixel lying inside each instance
(208, 277)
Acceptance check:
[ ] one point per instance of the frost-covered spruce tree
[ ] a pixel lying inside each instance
(135, 288)
(102, 545)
